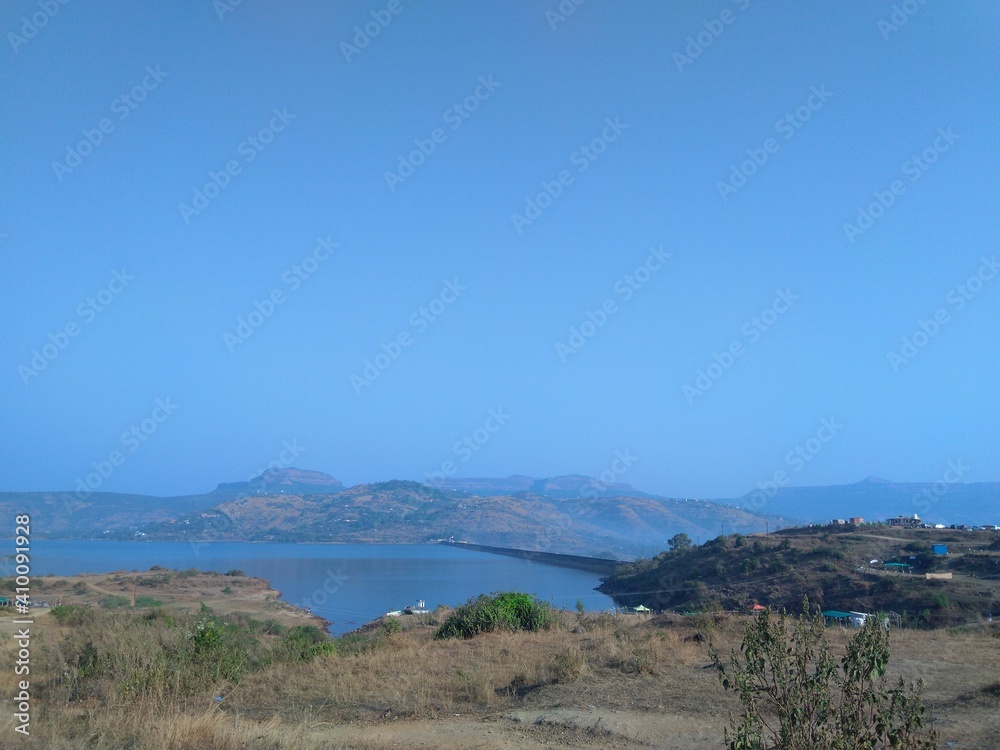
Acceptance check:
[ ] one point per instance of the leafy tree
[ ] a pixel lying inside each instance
(797, 696)
(679, 542)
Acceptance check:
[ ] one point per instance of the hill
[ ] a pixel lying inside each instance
(284, 480)
(837, 567)
(409, 512)
(566, 486)
(73, 515)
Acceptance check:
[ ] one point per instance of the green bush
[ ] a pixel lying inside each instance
(391, 625)
(147, 601)
(113, 601)
(70, 614)
(796, 695)
(507, 611)
(940, 601)
(304, 642)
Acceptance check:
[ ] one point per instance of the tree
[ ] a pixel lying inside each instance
(797, 696)
(679, 542)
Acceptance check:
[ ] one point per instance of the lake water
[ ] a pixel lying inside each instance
(348, 584)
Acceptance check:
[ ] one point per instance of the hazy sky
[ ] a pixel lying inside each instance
(688, 244)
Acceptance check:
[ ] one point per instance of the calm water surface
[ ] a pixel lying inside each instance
(348, 584)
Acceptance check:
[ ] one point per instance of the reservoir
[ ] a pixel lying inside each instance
(347, 584)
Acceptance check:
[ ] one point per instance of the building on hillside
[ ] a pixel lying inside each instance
(855, 520)
(906, 522)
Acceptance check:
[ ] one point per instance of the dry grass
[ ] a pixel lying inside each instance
(590, 681)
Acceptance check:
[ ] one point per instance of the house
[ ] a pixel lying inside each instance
(855, 520)
(905, 522)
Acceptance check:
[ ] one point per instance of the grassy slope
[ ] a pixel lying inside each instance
(590, 681)
(830, 565)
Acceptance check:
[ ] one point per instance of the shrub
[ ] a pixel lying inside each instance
(818, 702)
(147, 601)
(391, 625)
(777, 566)
(113, 601)
(511, 611)
(940, 601)
(236, 573)
(304, 642)
(70, 614)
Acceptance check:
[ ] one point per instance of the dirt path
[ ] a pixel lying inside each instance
(562, 728)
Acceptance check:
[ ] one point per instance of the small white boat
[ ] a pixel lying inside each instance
(419, 609)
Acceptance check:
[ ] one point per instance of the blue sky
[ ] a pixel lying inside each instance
(772, 227)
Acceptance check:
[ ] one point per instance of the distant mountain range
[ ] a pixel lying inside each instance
(570, 514)
(877, 499)
(568, 486)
